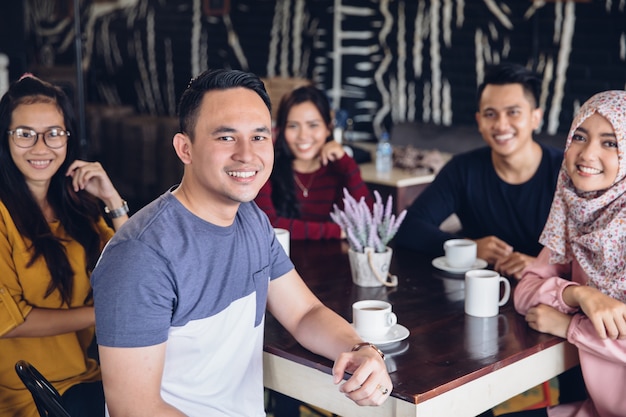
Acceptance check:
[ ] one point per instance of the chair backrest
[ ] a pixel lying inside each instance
(46, 397)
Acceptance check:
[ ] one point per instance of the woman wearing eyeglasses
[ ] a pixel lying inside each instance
(51, 235)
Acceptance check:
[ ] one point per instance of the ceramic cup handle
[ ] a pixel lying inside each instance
(392, 319)
(507, 291)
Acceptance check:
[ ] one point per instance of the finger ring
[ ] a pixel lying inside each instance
(382, 389)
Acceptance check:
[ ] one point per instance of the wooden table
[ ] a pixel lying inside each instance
(438, 371)
(403, 186)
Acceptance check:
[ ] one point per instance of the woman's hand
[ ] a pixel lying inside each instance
(331, 151)
(91, 177)
(546, 319)
(607, 314)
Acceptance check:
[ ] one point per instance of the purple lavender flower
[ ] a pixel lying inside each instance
(365, 228)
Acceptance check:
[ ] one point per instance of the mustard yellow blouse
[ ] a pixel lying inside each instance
(62, 359)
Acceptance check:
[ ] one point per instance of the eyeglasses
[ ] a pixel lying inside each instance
(27, 138)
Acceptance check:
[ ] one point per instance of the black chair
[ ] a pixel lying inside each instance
(46, 397)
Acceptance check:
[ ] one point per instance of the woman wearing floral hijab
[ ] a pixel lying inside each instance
(577, 287)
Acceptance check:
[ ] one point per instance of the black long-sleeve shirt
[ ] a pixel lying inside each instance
(486, 205)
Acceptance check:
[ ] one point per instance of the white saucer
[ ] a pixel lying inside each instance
(440, 263)
(395, 334)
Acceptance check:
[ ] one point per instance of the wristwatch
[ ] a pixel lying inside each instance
(118, 212)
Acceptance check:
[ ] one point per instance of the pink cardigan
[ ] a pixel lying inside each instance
(603, 361)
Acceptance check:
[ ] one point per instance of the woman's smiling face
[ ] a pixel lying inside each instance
(38, 163)
(592, 160)
(305, 131)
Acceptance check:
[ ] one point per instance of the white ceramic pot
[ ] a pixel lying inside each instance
(371, 269)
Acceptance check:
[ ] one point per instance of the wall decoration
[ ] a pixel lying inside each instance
(382, 61)
(215, 7)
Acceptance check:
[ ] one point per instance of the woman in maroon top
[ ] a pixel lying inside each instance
(310, 169)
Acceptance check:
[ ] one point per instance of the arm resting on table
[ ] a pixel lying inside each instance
(324, 332)
(542, 284)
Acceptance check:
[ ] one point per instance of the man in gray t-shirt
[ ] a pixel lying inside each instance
(181, 291)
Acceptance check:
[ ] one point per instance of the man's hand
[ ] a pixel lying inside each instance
(546, 319)
(491, 248)
(607, 314)
(513, 265)
(500, 254)
(370, 383)
(321, 330)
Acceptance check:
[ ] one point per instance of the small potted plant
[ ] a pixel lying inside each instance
(368, 233)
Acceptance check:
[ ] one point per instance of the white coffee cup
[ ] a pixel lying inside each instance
(283, 238)
(372, 318)
(460, 253)
(482, 292)
(482, 334)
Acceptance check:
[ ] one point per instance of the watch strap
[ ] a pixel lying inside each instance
(118, 212)
(358, 346)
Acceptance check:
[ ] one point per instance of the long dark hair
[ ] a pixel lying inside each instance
(283, 184)
(77, 212)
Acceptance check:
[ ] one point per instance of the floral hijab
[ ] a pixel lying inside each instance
(591, 227)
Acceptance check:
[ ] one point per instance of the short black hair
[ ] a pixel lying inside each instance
(510, 73)
(214, 79)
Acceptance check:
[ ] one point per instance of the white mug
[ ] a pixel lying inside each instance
(372, 318)
(283, 238)
(482, 334)
(482, 292)
(460, 253)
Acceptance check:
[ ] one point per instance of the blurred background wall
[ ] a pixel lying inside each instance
(381, 61)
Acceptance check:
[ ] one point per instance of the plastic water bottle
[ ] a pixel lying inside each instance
(384, 154)
(4, 74)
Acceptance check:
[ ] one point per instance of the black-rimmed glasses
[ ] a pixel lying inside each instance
(27, 138)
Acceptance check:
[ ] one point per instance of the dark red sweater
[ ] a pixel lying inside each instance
(325, 189)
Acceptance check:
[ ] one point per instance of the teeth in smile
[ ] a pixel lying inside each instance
(304, 146)
(40, 163)
(588, 170)
(504, 137)
(238, 174)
